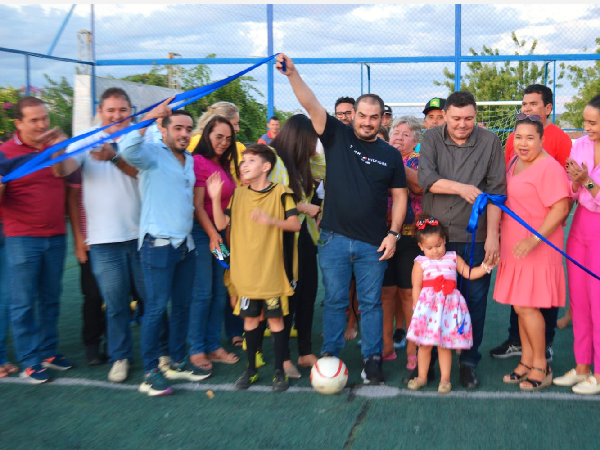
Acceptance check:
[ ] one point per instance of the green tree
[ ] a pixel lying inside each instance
(155, 77)
(587, 82)
(58, 95)
(498, 81)
(9, 96)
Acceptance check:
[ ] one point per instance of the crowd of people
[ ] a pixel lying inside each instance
(233, 237)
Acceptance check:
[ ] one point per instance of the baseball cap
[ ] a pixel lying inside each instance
(387, 110)
(434, 103)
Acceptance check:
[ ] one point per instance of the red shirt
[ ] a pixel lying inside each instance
(557, 144)
(33, 205)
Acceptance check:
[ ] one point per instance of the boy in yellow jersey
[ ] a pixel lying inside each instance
(263, 219)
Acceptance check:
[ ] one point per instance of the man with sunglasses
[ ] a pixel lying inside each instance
(537, 105)
(344, 110)
(458, 162)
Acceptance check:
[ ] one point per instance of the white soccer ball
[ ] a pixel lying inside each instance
(329, 375)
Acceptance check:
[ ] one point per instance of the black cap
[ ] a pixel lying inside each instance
(434, 103)
(387, 110)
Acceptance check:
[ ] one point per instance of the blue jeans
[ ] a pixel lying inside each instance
(234, 325)
(4, 316)
(115, 265)
(168, 273)
(208, 303)
(476, 300)
(339, 256)
(35, 269)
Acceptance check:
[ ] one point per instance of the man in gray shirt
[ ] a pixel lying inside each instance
(458, 162)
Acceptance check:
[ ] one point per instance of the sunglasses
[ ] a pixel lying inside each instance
(422, 223)
(533, 118)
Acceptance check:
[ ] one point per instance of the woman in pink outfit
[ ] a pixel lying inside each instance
(530, 273)
(583, 245)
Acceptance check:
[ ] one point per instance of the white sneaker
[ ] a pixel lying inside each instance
(119, 371)
(589, 386)
(164, 363)
(571, 378)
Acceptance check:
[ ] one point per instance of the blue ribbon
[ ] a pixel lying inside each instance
(43, 160)
(498, 200)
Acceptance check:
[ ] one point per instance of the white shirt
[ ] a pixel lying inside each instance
(111, 199)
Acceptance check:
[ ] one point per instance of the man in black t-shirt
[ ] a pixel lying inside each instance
(354, 237)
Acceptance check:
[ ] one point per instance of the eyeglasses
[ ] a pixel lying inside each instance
(342, 114)
(220, 138)
(533, 118)
(422, 223)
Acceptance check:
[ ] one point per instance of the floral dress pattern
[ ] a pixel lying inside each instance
(441, 317)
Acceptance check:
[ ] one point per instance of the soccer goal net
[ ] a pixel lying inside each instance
(496, 116)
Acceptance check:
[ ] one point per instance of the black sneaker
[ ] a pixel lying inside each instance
(280, 381)
(549, 353)
(247, 379)
(399, 339)
(372, 373)
(506, 350)
(327, 354)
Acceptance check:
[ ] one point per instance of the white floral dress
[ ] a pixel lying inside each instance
(441, 317)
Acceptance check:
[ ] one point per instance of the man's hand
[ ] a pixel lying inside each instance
(106, 153)
(388, 247)
(492, 251)
(53, 136)
(81, 249)
(523, 247)
(161, 110)
(289, 64)
(469, 193)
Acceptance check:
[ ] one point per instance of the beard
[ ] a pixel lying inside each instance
(364, 135)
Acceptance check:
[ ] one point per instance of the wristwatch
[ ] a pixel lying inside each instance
(115, 159)
(589, 184)
(396, 235)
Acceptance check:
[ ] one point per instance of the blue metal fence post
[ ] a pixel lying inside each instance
(368, 78)
(93, 80)
(554, 96)
(27, 76)
(361, 79)
(457, 46)
(270, 67)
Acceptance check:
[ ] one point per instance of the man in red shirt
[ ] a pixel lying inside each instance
(33, 212)
(537, 100)
(273, 130)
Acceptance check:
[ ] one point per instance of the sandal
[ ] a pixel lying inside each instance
(222, 356)
(416, 383)
(535, 385)
(10, 368)
(237, 341)
(514, 377)
(444, 387)
(201, 361)
(412, 362)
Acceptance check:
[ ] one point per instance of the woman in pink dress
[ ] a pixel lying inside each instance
(530, 273)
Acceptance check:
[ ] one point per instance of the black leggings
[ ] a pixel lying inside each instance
(302, 303)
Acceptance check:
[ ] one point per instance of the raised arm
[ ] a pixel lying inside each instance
(214, 187)
(303, 93)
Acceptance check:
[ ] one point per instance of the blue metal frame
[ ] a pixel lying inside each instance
(28, 74)
(41, 55)
(457, 46)
(60, 31)
(270, 66)
(93, 51)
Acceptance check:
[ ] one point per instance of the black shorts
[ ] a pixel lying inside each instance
(399, 270)
(253, 308)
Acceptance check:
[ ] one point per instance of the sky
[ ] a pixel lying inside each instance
(125, 31)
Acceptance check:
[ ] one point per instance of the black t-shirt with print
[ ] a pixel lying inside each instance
(357, 180)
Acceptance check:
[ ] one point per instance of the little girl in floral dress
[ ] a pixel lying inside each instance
(440, 317)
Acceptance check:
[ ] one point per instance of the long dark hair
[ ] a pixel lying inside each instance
(206, 149)
(295, 144)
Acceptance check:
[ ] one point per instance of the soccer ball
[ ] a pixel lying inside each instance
(329, 375)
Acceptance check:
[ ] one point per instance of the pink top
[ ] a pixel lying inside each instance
(583, 152)
(204, 168)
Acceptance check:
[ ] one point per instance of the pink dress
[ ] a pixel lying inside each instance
(441, 319)
(538, 280)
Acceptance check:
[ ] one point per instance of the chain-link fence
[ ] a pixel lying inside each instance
(404, 53)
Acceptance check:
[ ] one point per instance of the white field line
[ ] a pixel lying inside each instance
(373, 392)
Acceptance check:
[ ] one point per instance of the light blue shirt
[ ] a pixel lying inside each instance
(166, 187)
